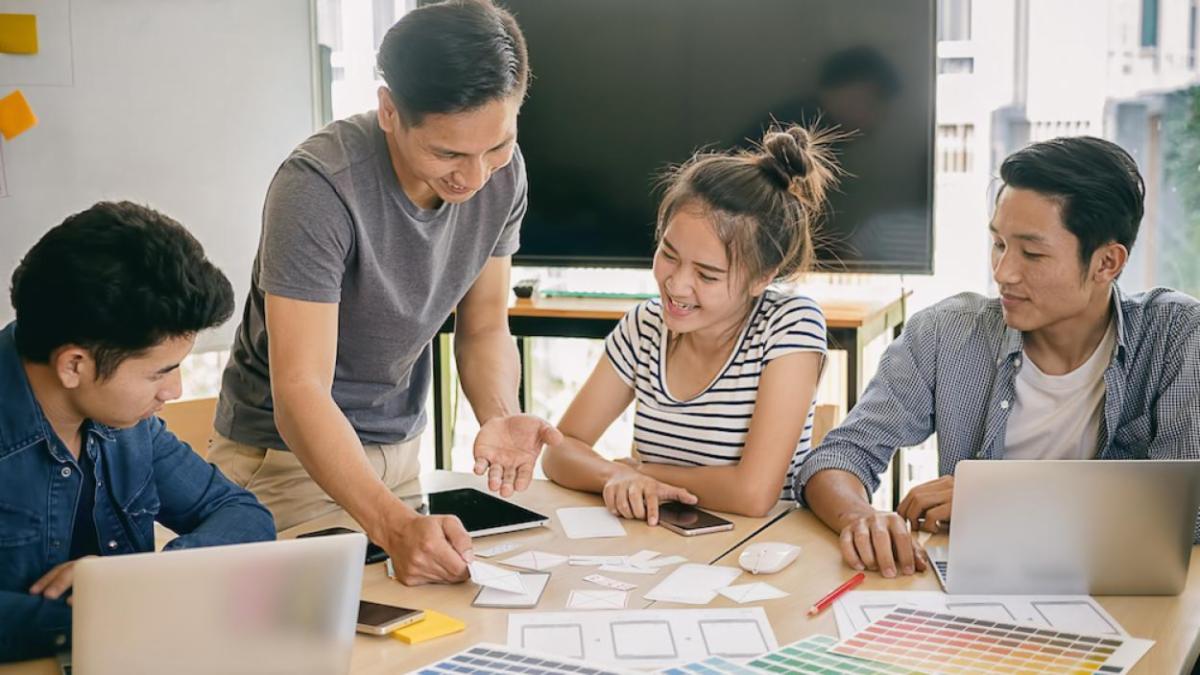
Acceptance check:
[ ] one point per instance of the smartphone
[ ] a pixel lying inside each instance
(375, 553)
(689, 520)
(377, 619)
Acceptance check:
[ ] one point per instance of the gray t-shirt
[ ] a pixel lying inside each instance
(337, 227)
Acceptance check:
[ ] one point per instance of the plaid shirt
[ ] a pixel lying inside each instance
(952, 372)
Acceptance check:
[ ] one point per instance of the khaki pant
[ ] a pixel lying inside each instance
(280, 482)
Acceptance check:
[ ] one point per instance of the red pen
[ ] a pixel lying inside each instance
(836, 593)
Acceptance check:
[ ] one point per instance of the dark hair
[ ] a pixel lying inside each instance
(860, 64)
(764, 203)
(116, 279)
(1096, 183)
(452, 57)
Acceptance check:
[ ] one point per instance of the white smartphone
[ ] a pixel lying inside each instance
(377, 619)
(689, 520)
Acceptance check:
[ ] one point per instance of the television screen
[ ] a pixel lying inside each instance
(624, 88)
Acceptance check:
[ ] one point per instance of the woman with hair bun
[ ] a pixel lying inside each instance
(724, 368)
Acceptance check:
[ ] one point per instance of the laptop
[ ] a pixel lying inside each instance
(1050, 527)
(273, 607)
(482, 514)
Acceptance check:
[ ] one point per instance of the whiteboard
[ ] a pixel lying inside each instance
(188, 106)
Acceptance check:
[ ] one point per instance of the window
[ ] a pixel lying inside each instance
(953, 20)
(955, 151)
(956, 66)
(1149, 23)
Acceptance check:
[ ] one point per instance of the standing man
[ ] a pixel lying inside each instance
(375, 229)
(1062, 365)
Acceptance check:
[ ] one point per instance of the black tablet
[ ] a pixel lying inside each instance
(481, 513)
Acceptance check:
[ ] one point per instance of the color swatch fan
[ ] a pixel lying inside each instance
(935, 642)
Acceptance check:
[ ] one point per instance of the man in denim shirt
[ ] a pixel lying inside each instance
(1062, 365)
(107, 304)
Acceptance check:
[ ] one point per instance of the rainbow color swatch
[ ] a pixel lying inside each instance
(936, 642)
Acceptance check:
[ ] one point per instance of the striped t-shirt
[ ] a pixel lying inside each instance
(710, 428)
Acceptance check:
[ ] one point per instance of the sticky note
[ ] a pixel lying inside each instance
(434, 625)
(18, 34)
(15, 115)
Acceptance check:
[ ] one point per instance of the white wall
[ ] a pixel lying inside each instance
(188, 106)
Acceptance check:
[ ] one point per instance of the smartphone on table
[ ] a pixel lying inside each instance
(379, 619)
(375, 552)
(689, 520)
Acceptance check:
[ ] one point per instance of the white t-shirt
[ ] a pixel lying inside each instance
(710, 428)
(1059, 416)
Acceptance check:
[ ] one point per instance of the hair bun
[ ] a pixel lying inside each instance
(785, 155)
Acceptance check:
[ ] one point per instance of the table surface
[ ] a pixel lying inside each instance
(1173, 621)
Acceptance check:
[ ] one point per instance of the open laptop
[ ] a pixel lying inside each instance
(272, 607)
(1098, 527)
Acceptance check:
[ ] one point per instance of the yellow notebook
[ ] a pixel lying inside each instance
(434, 625)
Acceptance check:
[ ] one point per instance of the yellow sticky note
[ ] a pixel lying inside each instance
(434, 625)
(16, 116)
(18, 34)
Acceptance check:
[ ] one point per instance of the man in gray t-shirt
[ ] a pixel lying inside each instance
(375, 229)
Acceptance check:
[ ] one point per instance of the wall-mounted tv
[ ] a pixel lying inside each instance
(623, 88)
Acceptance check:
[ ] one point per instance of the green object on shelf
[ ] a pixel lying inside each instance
(599, 294)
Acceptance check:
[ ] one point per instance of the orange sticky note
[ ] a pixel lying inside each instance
(434, 625)
(16, 116)
(18, 34)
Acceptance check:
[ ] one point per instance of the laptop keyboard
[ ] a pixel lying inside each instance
(485, 658)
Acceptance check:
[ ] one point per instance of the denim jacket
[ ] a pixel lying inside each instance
(142, 474)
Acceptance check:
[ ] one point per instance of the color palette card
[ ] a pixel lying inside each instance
(937, 642)
(810, 655)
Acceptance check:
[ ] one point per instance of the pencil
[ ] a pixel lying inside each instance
(836, 593)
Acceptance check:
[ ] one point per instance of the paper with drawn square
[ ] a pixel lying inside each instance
(534, 583)
(755, 592)
(694, 584)
(855, 610)
(597, 599)
(589, 522)
(498, 578)
(535, 560)
(644, 639)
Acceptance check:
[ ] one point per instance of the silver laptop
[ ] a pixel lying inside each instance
(272, 607)
(1111, 527)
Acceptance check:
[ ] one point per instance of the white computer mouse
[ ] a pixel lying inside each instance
(768, 557)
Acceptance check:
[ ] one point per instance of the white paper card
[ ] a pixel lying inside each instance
(664, 562)
(594, 560)
(534, 584)
(496, 550)
(754, 592)
(597, 599)
(628, 569)
(602, 580)
(535, 560)
(694, 584)
(589, 522)
(498, 578)
(641, 557)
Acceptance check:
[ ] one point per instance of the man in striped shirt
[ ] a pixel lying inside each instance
(1062, 365)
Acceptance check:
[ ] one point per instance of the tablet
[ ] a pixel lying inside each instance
(481, 513)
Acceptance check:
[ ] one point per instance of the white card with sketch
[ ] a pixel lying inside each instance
(644, 638)
(1076, 613)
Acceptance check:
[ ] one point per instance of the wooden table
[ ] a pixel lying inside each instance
(388, 655)
(851, 325)
(1172, 621)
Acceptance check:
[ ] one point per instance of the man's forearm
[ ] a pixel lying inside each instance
(321, 437)
(489, 369)
(32, 626)
(837, 497)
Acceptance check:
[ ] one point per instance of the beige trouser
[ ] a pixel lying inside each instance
(280, 482)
